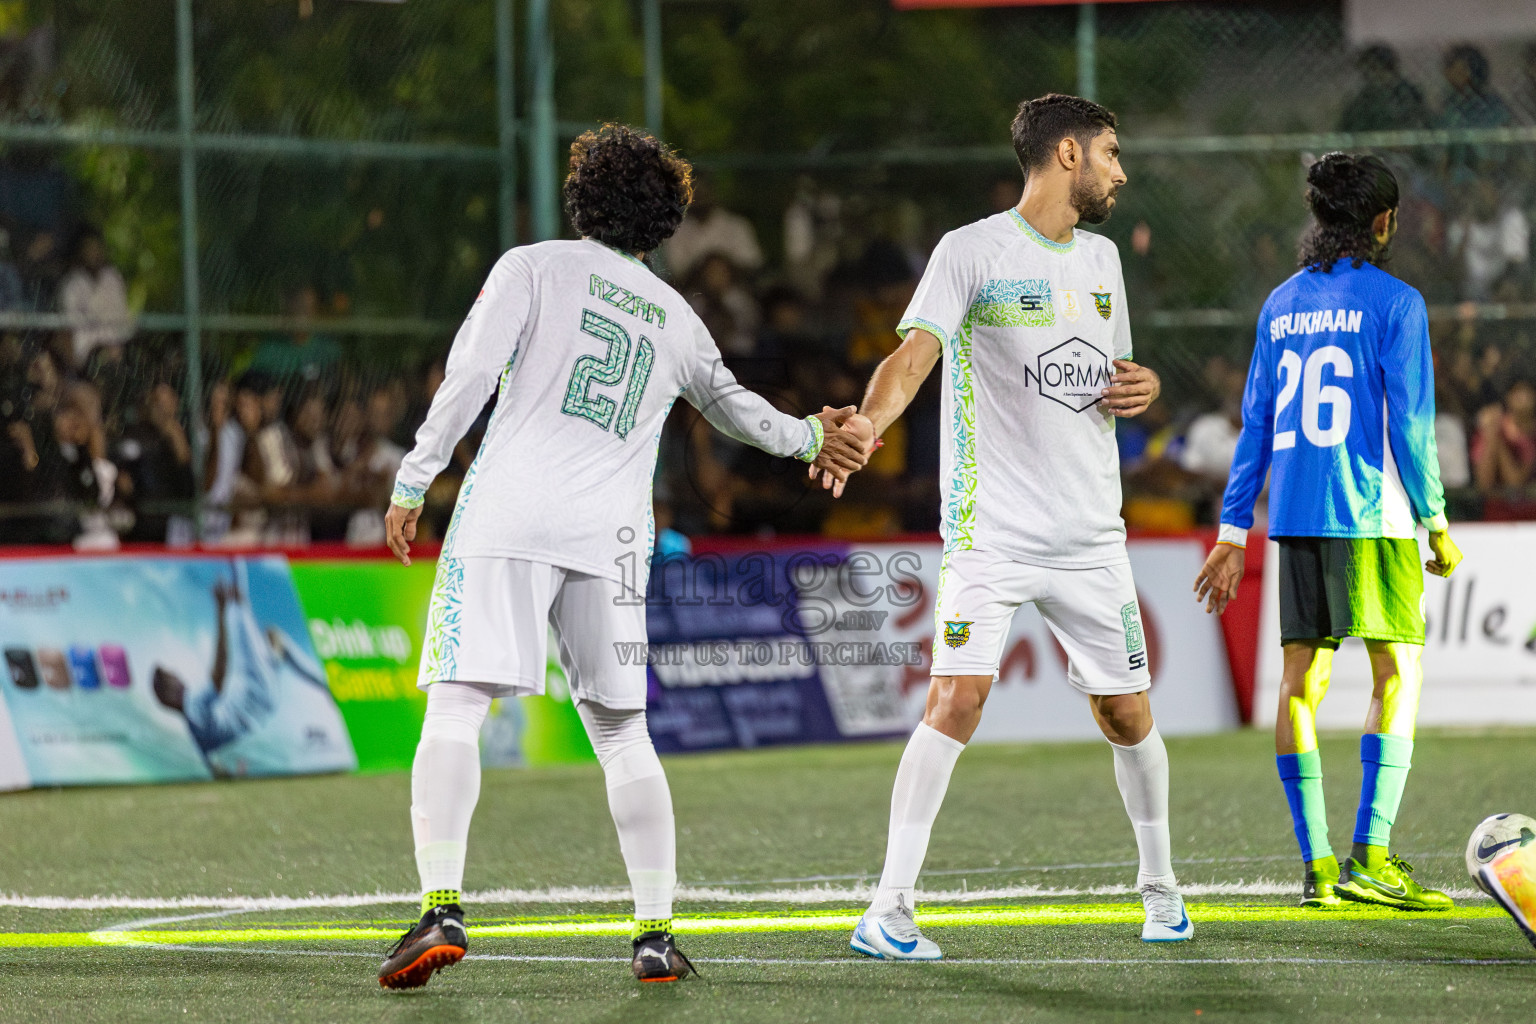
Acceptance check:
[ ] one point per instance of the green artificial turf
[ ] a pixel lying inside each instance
(783, 842)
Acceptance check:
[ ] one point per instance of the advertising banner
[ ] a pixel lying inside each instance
(149, 670)
(744, 652)
(367, 618)
(1480, 650)
(836, 643)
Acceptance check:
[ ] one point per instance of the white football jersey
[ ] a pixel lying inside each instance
(589, 350)
(1029, 327)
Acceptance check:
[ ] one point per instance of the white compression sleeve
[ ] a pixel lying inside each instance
(1142, 774)
(921, 782)
(445, 781)
(641, 804)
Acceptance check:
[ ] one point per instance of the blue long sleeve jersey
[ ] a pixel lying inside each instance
(1340, 409)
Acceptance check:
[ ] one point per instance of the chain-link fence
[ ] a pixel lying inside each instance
(354, 169)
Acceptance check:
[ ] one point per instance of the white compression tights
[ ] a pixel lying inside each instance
(445, 781)
(641, 804)
(445, 785)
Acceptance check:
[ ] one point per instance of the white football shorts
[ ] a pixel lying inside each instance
(489, 623)
(1092, 612)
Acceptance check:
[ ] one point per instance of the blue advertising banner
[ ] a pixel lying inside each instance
(149, 670)
(744, 652)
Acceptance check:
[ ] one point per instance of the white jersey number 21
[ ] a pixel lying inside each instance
(1314, 395)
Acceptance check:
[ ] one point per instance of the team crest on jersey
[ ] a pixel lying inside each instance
(1070, 310)
(1101, 302)
(956, 633)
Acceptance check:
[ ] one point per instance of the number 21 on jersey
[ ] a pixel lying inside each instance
(1314, 396)
(608, 370)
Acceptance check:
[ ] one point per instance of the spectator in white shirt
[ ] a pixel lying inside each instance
(1492, 237)
(94, 298)
(1211, 439)
(709, 229)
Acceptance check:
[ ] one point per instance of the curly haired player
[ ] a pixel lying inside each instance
(586, 350)
(1340, 411)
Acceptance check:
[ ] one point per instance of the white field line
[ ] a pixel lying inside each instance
(580, 895)
(747, 961)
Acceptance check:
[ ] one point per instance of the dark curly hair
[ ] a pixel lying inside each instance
(1346, 194)
(626, 189)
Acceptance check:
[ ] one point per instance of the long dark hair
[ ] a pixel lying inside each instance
(1345, 194)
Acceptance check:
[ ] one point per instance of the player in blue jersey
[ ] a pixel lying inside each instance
(1339, 409)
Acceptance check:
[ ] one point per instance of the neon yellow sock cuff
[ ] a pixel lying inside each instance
(641, 927)
(439, 898)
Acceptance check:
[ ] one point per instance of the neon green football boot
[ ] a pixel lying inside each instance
(1386, 881)
(1318, 884)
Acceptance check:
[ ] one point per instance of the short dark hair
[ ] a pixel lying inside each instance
(1346, 194)
(1042, 123)
(626, 189)
(1472, 57)
(1377, 57)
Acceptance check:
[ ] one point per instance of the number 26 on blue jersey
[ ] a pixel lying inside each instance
(1315, 395)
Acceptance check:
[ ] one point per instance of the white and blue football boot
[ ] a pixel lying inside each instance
(893, 935)
(1167, 920)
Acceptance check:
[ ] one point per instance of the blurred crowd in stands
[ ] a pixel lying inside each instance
(301, 441)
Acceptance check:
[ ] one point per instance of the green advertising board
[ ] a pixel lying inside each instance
(367, 620)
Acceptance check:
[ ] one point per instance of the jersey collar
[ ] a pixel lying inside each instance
(1036, 237)
(619, 252)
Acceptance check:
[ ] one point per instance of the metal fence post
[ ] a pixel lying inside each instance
(506, 117)
(543, 189)
(192, 338)
(653, 67)
(1087, 51)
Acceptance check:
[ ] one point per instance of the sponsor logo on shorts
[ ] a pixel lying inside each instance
(957, 633)
(1135, 643)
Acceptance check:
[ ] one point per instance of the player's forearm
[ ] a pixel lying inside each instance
(1417, 456)
(1246, 478)
(749, 418)
(895, 381)
(457, 402)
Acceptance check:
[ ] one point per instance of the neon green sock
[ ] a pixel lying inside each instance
(1384, 763)
(641, 927)
(439, 898)
(1368, 856)
(1324, 869)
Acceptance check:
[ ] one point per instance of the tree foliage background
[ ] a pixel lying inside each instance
(748, 78)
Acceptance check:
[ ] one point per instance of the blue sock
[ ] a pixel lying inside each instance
(1302, 776)
(1384, 760)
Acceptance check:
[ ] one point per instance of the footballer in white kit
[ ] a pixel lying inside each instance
(586, 350)
(1030, 317)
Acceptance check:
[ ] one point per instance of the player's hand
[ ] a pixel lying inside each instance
(400, 530)
(1132, 389)
(1447, 554)
(1219, 577)
(847, 440)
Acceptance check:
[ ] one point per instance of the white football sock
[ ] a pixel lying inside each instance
(641, 804)
(445, 781)
(921, 781)
(1141, 771)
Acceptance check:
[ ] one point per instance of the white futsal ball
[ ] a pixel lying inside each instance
(1495, 835)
